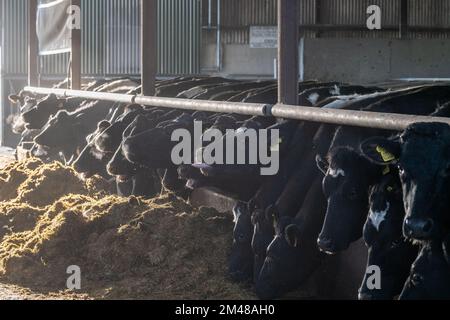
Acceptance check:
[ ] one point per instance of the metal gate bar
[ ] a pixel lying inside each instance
(378, 120)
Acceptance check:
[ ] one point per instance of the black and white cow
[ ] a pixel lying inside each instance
(421, 153)
(389, 250)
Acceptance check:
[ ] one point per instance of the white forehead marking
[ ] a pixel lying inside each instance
(336, 91)
(377, 217)
(336, 173)
(96, 154)
(313, 97)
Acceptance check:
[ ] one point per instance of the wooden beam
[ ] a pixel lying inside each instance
(404, 19)
(149, 27)
(75, 54)
(288, 36)
(33, 44)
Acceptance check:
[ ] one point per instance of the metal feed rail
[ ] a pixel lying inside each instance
(387, 121)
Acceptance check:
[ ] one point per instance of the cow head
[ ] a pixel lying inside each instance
(263, 234)
(110, 139)
(281, 271)
(120, 167)
(37, 116)
(422, 154)
(388, 249)
(348, 176)
(430, 275)
(151, 148)
(21, 99)
(92, 161)
(59, 131)
(240, 264)
(16, 120)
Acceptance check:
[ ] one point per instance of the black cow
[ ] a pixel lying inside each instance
(92, 161)
(421, 153)
(293, 255)
(348, 176)
(347, 186)
(430, 274)
(388, 249)
(240, 262)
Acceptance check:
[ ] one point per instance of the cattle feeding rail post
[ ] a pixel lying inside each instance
(33, 47)
(378, 120)
(288, 64)
(149, 45)
(75, 52)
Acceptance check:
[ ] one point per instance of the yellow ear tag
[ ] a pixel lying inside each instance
(385, 155)
(386, 171)
(390, 189)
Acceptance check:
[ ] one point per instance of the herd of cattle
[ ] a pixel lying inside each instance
(335, 185)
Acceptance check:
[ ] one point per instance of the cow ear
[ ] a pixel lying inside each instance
(381, 151)
(14, 98)
(322, 164)
(292, 235)
(103, 125)
(272, 214)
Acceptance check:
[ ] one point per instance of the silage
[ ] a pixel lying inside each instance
(125, 247)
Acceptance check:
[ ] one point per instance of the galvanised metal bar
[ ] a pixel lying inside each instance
(253, 109)
(123, 98)
(387, 121)
(365, 119)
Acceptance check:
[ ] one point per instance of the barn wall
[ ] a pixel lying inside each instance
(371, 60)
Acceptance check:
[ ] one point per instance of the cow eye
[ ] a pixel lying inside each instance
(416, 279)
(241, 237)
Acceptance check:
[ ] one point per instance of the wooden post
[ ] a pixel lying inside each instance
(148, 46)
(75, 53)
(288, 51)
(33, 44)
(403, 19)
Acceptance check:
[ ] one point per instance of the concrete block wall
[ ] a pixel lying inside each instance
(346, 60)
(372, 60)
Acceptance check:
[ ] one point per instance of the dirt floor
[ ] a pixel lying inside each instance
(126, 248)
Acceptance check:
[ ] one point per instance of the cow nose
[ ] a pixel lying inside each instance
(326, 245)
(418, 228)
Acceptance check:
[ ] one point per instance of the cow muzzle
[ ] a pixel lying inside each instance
(420, 229)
